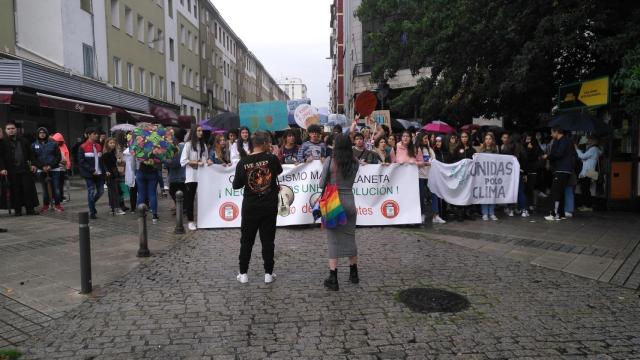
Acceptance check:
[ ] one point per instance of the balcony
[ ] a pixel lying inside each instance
(362, 69)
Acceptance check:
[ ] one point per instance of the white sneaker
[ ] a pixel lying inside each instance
(585, 209)
(120, 212)
(568, 215)
(510, 212)
(542, 194)
(438, 220)
(525, 213)
(552, 218)
(494, 218)
(269, 278)
(485, 217)
(243, 278)
(192, 226)
(424, 217)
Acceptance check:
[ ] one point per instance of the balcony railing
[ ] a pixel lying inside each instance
(362, 68)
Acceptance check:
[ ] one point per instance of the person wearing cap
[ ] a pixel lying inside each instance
(48, 159)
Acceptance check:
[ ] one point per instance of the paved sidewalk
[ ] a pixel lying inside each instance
(602, 246)
(186, 303)
(40, 266)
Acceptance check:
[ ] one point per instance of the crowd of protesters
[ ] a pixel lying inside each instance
(551, 165)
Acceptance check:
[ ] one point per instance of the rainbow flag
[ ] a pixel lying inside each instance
(333, 213)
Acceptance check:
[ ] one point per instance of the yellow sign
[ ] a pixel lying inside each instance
(595, 92)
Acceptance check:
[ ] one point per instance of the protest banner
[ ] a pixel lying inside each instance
(485, 179)
(266, 115)
(384, 195)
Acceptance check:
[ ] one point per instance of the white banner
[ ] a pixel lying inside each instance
(384, 195)
(486, 179)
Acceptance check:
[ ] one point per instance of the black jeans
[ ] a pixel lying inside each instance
(252, 222)
(559, 182)
(133, 197)
(173, 189)
(190, 198)
(585, 189)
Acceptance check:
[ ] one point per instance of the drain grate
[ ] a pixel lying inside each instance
(429, 300)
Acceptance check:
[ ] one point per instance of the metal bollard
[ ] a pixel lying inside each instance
(143, 251)
(179, 204)
(85, 253)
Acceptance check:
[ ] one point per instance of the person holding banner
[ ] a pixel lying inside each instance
(242, 146)
(489, 146)
(422, 143)
(257, 173)
(341, 170)
(194, 156)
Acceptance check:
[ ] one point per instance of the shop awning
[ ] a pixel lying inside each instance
(141, 116)
(5, 96)
(185, 121)
(62, 103)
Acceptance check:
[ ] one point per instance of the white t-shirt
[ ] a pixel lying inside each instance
(190, 154)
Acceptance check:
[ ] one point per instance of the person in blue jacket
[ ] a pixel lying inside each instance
(48, 159)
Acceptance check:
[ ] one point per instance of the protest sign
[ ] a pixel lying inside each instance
(485, 179)
(267, 115)
(384, 195)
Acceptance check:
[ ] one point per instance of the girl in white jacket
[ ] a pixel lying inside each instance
(194, 156)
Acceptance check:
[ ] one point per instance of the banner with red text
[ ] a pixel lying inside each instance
(384, 195)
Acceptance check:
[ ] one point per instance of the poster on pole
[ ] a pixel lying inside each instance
(485, 179)
(384, 195)
(267, 115)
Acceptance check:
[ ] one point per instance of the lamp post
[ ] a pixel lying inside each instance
(382, 91)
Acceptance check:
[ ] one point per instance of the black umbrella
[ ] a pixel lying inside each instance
(579, 121)
(226, 120)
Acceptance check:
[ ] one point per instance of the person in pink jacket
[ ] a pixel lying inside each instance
(65, 164)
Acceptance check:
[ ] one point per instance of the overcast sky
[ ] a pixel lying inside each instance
(289, 37)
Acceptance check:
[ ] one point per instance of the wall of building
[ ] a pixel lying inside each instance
(172, 68)
(189, 59)
(7, 27)
(39, 31)
(81, 27)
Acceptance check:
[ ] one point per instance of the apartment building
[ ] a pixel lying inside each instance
(71, 64)
(294, 87)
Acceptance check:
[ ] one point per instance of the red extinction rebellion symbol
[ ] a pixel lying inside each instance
(390, 209)
(229, 211)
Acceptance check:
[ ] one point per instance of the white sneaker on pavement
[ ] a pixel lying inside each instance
(493, 217)
(269, 278)
(568, 215)
(242, 278)
(192, 226)
(485, 217)
(509, 212)
(552, 217)
(120, 212)
(525, 213)
(438, 220)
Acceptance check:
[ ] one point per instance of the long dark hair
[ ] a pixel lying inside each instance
(195, 141)
(240, 142)
(419, 141)
(343, 155)
(411, 149)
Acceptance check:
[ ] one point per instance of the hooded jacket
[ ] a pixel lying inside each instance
(87, 161)
(64, 150)
(47, 153)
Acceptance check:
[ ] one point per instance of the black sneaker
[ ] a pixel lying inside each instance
(93, 216)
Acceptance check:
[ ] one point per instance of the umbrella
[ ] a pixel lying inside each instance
(123, 127)
(151, 144)
(204, 124)
(439, 127)
(470, 127)
(226, 120)
(579, 121)
(406, 123)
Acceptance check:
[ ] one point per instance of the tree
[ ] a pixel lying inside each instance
(496, 57)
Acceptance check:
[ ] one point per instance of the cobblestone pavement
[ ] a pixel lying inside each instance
(187, 304)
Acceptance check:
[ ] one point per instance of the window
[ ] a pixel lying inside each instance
(117, 72)
(85, 5)
(161, 88)
(190, 78)
(130, 76)
(183, 34)
(182, 2)
(152, 84)
(195, 43)
(141, 80)
(204, 50)
(115, 13)
(189, 10)
(198, 114)
(191, 108)
(170, 8)
(171, 57)
(151, 35)
(173, 92)
(189, 40)
(195, 9)
(128, 19)
(197, 81)
(204, 84)
(87, 55)
(184, 75)
(161, 41)
(184, 109)
(217, 31)
(140, 28)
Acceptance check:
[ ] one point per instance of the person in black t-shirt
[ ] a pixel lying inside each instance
(257, 173)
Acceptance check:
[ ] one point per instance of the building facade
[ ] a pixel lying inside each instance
(294, 87)
(352, 62)
(72, 64)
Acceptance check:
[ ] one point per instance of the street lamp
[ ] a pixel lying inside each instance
(382, 91)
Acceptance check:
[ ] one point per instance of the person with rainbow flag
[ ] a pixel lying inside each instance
(339, 209)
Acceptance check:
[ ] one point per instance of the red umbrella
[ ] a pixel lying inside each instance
(438, 127)
(470, 127)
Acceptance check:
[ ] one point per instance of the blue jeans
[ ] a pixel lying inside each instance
(522, 194)
(56, 187)
(95, 189)
(422, 183)
(488, 209)
(435, 204)
(569, 198)
(147, 182)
